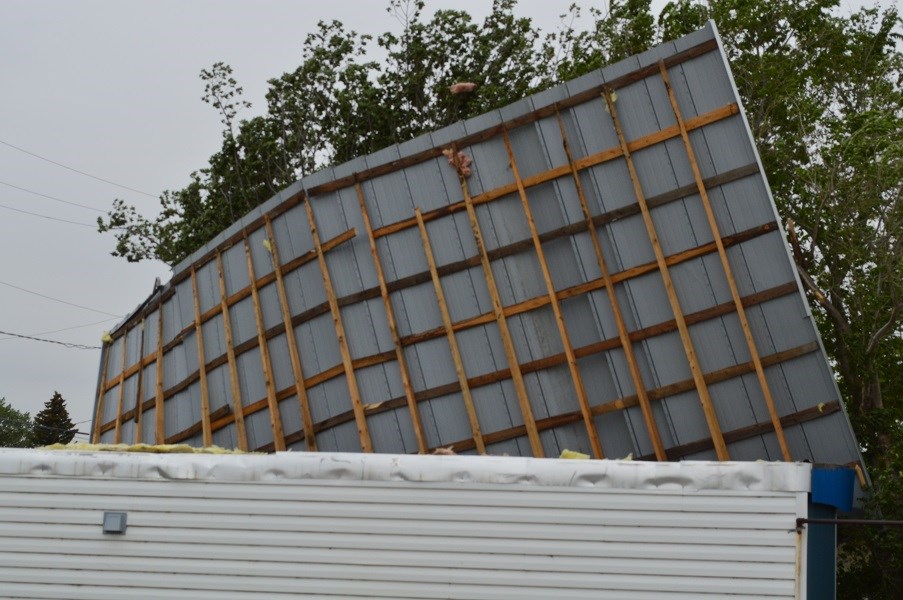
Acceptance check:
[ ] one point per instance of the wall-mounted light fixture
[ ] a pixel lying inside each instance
(114, 522)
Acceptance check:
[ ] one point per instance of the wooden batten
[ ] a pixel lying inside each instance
(705, 398)
(266, 364)
(139, 392)
(623, 334)
(98, 414)
(295, 357)
(413, 409)
(469, 405)
(117, 435)
(728, 272)
(159, 421)
(577, 378)
(502, 321)
(206, 434)
(237, 409)
(350, 378)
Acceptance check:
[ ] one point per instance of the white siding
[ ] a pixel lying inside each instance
(222, 534)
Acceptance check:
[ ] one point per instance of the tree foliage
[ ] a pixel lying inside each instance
(15, 427)
(822, 93)
(52, 425)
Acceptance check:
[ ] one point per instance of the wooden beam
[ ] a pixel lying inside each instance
(623, 335)
(294, 356)
(413, 409)
(469, 405)
(98, 414)
(241, 434)
(139, 391)
(728, 272)
(350, 378)
(705, 399)
(502, 321)
(577, 379)
(266, 365)
(206, 434)
(117, 436)
(159, 421)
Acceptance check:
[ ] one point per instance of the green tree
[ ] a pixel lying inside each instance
(52, 425)
(15, 427)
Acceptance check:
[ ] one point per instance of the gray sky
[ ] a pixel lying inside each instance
(111, 88)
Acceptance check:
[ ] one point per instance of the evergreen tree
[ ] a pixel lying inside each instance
(52, 425)
(15, 427)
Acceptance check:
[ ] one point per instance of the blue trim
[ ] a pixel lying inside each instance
(834, 486)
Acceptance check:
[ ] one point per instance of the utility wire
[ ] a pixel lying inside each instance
(19, 210)
(54, 198)
(103, 312)
(37, 339)
(66, 328)
(53, 162)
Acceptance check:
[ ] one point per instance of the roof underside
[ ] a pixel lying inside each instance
(611, 277)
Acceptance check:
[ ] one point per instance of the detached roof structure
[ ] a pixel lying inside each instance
(610, 276)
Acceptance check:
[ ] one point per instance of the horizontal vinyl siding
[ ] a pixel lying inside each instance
(312, 539)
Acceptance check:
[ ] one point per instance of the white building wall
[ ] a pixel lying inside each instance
(368, 526)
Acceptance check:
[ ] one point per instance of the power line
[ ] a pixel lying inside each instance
(45, 427)
(19, 210)
(54, 198)
(53, 162)
(64, 344)
(66, 328)
(21, 289)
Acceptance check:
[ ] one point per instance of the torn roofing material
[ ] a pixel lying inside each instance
(598, 267)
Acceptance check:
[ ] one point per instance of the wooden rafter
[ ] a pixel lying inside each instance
(240, 431)
(117, 435)
(206, 434)
(139, 391)
(294, 356)
(413, 409)
(576, 377)
(516, 377)
(623, 334)
(348, 365)
(469, 405)
(159, 422)
(266, 364)
(702, 389)
(728, 272)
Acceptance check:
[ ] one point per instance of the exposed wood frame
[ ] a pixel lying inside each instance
(413, 409)
(348, 365)
(544, 363)
(627, 347)
(728, 272)
(517, 377)
(206, 434)
(469, 405)
(579, 387)
(139, 413)
(159, 421)
(237, 409)
(265, 363)
(98, 413)
(117, 436)
(702, 389)
(294, 356)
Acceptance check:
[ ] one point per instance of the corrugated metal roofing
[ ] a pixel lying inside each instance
(613, 270)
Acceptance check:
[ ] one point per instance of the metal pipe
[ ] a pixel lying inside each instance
(868, 522)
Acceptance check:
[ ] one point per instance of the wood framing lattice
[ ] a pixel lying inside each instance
(346, 325)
